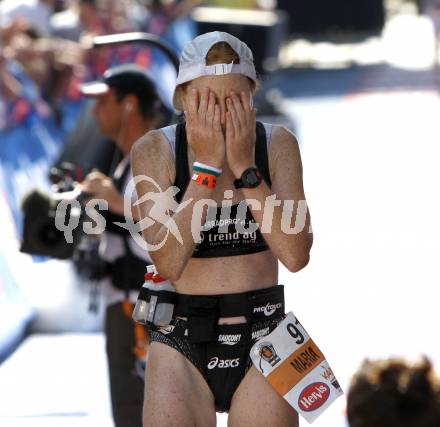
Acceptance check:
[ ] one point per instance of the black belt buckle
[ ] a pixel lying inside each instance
(202, 319)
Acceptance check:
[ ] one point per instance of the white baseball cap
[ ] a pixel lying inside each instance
(193, 60)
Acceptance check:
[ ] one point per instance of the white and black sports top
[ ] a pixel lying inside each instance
(220, 238)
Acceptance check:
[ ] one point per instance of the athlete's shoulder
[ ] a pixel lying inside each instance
(152, 152)
(152, 142)
(283, 144)
(282, 135)
(153, 145)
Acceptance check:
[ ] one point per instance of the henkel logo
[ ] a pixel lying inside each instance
(268, 309)
(313, 397)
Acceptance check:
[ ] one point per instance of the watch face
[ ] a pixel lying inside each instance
(252, 178)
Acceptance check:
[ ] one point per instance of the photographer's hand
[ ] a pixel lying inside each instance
(100, 186)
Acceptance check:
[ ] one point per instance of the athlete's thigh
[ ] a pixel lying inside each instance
(256, 403)
(175, 392)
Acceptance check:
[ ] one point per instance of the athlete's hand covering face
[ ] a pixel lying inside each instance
(203, 127)
(240, 132)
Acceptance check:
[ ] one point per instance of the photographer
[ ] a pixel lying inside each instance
(127, 107)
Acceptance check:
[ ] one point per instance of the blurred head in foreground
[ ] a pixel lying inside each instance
(394, 393)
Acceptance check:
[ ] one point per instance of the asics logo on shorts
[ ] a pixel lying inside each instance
(229, 339)
(268, 309)
(215, 362)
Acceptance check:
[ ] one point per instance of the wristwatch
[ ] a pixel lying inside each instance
(250, 178)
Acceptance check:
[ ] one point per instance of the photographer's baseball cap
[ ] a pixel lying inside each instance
(193, 60)
(126, 79)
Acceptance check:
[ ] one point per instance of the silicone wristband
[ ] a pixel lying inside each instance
(202, 167)
(205, 179)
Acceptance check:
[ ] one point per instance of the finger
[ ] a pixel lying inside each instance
(230, 106)
(230, 131)
(217, 124)
(95, 184)
(88, 181)
(88, 188)
(254, 115)
(97, 175)
(90, 175)
(253, 121)
(251, 112)
(211, 108)
(97, 180)
(240, 113)
(222, 104)
(246, 102)
(235, 123)
(193, 102)
(203, 104)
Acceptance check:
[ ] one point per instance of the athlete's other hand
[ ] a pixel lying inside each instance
(240, 132)
(203, 128)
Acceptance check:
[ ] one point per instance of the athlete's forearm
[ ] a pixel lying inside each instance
(181, 232)
(288, 234)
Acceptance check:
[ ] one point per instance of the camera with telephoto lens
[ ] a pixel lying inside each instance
(41, 236)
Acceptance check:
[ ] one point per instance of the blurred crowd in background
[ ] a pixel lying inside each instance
(50, 42)
(46, 47)
(47, 50)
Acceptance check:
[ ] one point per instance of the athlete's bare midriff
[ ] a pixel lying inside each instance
(227, 275)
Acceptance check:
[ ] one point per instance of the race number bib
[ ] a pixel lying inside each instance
(296, 368)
